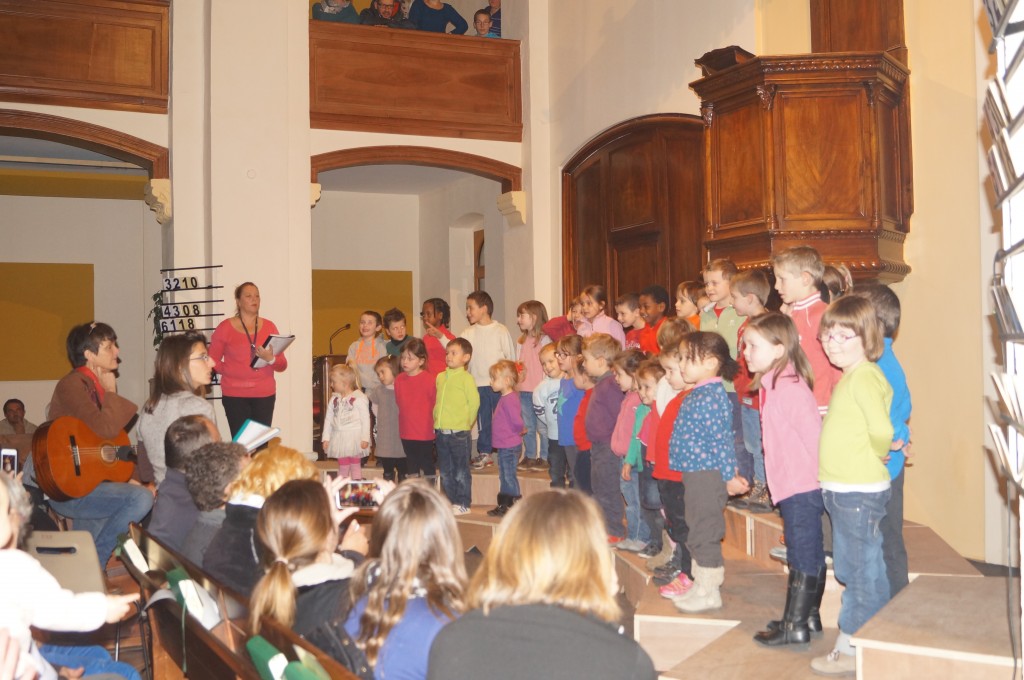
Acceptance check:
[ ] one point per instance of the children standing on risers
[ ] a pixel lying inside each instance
(416, 393)
(455, 410)
(723, 319)
(798, 273)
(436, 316)
(599, 351)
(750, 291)
(887, 310)
(701, 448)
(594, 301)
(508, 433)
(627, 311)
(856, 437)
(364, 352)
(792, 428)
(627, 425)
(531, 317)
(545, 405)
(395, 325)
(491, 343)
(388, 449)
(654, 304)
(568, 353)
(688, 295)
(346, 433)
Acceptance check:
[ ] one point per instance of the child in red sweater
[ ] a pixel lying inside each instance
(415, 392)
(581, 473)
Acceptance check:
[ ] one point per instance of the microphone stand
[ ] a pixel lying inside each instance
(330, 342)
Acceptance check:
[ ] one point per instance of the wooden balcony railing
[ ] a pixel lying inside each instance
(108, 54)
(411, 82)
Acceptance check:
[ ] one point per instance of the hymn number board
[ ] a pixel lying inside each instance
(189, 301)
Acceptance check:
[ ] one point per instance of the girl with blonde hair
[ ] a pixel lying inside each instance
(548, 583)
(411, 584)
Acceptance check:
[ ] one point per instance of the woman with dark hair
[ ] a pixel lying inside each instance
(183, 371)
(248, 393)
(89, 393)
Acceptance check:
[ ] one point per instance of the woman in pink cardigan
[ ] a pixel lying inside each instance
(248, 393)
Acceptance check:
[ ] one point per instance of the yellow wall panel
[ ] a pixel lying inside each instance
(339, 297)
(39, 304)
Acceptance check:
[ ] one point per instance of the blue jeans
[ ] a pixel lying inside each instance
(453, 451)
(488, 402)
(801, 526)
(107, 512)
(93, 658)
(636, 526)
(650, 502)
(894, 551)
(559, 464)
(857, 552)
(581, 472)
(751, 419)
(606, 471)
(744, 460)
(507, 461)
(533, 426)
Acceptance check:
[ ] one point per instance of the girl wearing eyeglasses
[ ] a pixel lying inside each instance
(855, 439)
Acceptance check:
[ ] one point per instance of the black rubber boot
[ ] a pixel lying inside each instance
(814, 616)
(503, 504)
(793, 630)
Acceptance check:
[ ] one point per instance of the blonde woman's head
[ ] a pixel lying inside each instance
(269, 471)
(550, 549)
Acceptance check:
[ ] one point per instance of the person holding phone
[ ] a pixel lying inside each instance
(248, 393)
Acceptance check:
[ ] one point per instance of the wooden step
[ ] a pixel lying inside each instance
(942, 627)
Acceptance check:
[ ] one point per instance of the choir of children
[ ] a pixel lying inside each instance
(803, 411)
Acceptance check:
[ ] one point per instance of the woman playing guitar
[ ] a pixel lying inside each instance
(89, 393)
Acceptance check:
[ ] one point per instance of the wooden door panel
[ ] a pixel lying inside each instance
(633, 206)
(823, 177)
(738, 166)
(631, 179)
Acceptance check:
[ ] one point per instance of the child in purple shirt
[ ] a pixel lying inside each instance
(599, 351)
(506, 433)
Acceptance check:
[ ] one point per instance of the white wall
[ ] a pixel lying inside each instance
(354, 231)
(122, 242)
(442, 209)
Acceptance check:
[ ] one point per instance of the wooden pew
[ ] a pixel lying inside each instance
(218, 653)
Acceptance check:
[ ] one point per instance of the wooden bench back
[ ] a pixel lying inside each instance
(218, 653)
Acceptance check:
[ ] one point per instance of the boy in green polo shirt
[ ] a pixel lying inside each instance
(454, 414)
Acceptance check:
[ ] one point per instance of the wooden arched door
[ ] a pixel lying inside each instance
(633, 211)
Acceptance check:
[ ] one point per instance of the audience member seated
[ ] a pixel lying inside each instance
(89, 393)
(412, 583)
(235, 562)
(482, 24)
(543, 601)
(494, 9)
(384, 13)
(183, 372)
(32, 597)
(208, 474)
(14, 418)
(335, 10)
(305, 581)
(434, 16)
(174, 511)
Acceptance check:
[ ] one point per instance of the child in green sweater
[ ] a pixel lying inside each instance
(855, 439)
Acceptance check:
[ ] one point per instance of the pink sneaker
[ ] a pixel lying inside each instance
(677, 587)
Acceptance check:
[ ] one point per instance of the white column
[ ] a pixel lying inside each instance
(259, 179)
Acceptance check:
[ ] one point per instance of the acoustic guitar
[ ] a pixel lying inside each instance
(71, 460)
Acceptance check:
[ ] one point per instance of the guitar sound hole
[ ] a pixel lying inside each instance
(108, 454)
